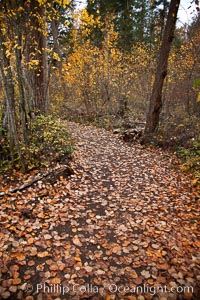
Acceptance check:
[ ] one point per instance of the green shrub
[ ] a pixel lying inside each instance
(49, 142)
(191, 157)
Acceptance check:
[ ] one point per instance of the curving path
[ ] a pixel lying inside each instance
(124, 226)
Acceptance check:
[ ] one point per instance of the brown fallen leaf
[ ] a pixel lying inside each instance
(19, 256)
(55, 280)
(15, 274)
(135, 248)
(116, 249)
(88, 269)
(163, 266)
(76, 241)
(155, 246)
(16, 281)
(41, 215)
(145, 274)
(161, 279)
(150, 281)
(47, 237)
(138, 280)
(30, 241)
(29, 298)
(31, 263)
(53, 267)
(133, 274)
(14, 268)
(43, 254)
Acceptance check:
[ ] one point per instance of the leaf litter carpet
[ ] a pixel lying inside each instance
(124, 226)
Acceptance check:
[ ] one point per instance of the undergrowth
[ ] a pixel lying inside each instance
(49, 143)
(190, 158)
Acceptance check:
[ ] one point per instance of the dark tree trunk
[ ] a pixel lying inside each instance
(56, 46)
(156, 96)
(36, 49)
(18, 56)
(41, 74)
(8, 85)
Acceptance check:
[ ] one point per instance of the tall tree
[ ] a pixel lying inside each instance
(7, 36)
(161, 72)
(135, 20)
(156, 20)
(25, 60)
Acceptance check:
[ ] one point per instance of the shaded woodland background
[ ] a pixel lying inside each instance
(96, 65)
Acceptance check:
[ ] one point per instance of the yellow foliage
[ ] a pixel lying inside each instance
(98, 76)
(55, 56)
(33, 63)
(198, 97)
(42, 2)
(62, 3)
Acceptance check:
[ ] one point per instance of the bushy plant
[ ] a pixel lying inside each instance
(191, 157)
(50, 141)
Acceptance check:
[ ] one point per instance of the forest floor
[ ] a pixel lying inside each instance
(123, 226)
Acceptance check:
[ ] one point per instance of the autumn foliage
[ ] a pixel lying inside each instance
(97, 213)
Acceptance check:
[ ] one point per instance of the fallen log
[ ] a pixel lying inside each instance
(53, 175)
(132, 135)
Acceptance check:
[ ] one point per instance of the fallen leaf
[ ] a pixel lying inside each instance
(53, 267)
(163, 266)
(88, 269)
(16, 281)
(47, 237)
(19, 256)
(43, 254)
(76, 241)
(145, 274)
(55, 280)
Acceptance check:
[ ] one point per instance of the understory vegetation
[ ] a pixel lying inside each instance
(49, 143)
(99, 150)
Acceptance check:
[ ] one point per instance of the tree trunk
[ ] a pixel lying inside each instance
(9, 90)
(8, 84)
(41, 74)
(56, 46)
(36, 49)
(18, 56)
(156, 96)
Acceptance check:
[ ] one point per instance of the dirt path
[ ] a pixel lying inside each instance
(124, 226)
